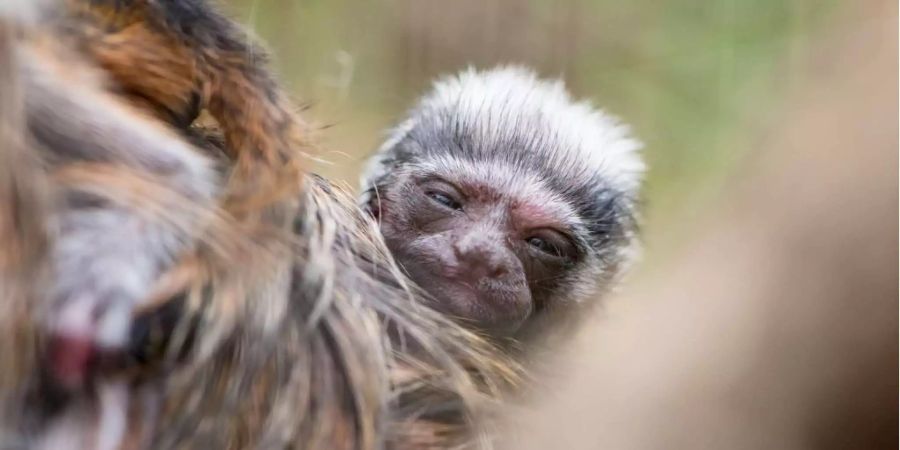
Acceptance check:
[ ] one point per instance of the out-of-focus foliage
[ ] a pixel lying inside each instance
(696, 79)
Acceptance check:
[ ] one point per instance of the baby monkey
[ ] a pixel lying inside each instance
(511, 204)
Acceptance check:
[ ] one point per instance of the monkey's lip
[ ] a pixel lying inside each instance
(486, 303)
(497, 305)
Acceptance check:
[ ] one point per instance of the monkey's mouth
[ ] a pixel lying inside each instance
(487, 304)
(496, 304)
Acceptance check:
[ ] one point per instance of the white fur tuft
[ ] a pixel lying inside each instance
(505, 95)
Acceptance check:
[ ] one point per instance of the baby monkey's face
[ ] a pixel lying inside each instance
(488, 255)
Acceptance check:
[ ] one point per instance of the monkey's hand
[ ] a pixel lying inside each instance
(102, 273)
(132, 195)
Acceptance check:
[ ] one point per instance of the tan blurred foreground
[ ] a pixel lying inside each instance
(775, 328)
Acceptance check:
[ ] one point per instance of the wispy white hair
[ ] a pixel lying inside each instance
(494, 104)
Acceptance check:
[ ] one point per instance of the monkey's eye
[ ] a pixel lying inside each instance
(543, 245)
(444, 200)
(552, 243)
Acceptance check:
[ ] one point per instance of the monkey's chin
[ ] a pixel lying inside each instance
(500, 311)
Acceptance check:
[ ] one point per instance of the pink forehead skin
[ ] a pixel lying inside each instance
(527, 211)
(533, 215)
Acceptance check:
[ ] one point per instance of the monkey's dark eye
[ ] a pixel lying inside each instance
(552, 243)
(543, 245)
(444, 199)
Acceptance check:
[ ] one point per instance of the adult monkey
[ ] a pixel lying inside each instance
(246, 358)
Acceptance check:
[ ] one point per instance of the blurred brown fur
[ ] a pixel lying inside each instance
(776, 326)
(20, 231)
(299, 333)
(177, 59)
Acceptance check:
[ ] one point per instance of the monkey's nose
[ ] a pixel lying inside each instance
(479, 260)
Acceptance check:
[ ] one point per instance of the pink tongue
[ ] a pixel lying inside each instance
(69, 359)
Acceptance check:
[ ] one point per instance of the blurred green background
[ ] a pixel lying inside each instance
(697, 80)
